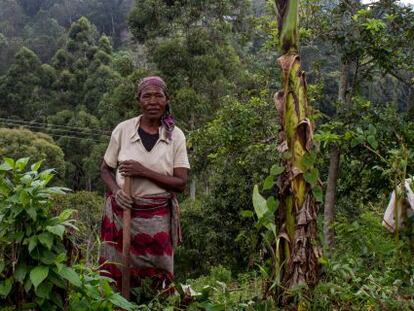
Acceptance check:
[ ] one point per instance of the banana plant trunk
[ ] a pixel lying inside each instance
(298, 187)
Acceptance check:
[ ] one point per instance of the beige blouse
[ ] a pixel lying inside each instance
(125, 144)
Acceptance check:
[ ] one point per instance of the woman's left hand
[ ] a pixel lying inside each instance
(132, 168)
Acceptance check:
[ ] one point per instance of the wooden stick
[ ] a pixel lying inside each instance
(126, 238)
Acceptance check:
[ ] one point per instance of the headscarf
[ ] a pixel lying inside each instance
(167, 119)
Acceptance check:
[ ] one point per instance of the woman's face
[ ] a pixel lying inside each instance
(153, 102)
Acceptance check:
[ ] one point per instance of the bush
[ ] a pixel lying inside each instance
(88, 208)
(369, 269)
(36, 253)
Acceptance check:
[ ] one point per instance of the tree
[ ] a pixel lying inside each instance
(83, 66)
(229, 155)
(192, 45)
(371, 40)
(22, 143)
(43, 35)
(21, 89)
(83, 134)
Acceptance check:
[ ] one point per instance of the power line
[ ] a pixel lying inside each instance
(52, 134)
(47, 130)
(59, 127)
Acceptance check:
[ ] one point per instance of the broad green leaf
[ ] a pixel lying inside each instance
(2, 265)
(44, 290)
(58, 230)
(372, 130)
(46, 176)
(57, 300)
(66, 214)
(18, 236)
(32, 243)
(311, 176)
(31, 211)
(276, 170)
(38, 275)
(5, 167)
(318, 194)
(259, 203)
(372, 141)
(268, 183)
(272, 204)
(26, 179)
(4, 189)
(21, 163)
(20, 273)
(5, 287)
(24, 197)
(35, 167)
(47, 257)
(308, 160)
(46, 239)
(247, 214)
(10, 162)
(121, 302)
(357, 141)
(271, 227)
(70, 275)
(60, 258)
(27, 285)
(107, 289)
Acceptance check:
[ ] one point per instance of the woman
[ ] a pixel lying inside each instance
(152, 151)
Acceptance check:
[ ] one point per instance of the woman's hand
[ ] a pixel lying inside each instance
(174, 183)
(133, 168)
(122, 199)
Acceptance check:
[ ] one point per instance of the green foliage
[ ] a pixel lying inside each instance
(88, 213)
(31, 239)
(43, 35)
(21, 90)
(368, 270)
(35, 266)
(82, 169)
(198, 56)
(230, 154)
(367, 145)
(18, 143)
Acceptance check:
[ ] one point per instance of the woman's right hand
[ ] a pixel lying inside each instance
(122, 199)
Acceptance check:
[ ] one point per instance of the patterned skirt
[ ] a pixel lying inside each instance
(155, 230)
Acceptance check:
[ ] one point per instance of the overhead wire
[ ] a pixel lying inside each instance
(46, 131)
(49, 126)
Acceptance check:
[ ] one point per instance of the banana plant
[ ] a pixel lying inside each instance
(298, 187)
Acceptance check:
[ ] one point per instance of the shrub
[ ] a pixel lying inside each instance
(35, 264)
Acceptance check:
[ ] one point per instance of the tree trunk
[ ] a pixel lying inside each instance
(334, 164)
(193, 189)
(329, 207)
(343, 82)
(297, 213)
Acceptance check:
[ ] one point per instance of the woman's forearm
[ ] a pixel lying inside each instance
(171, 183)
(174, 183)
(108, 177)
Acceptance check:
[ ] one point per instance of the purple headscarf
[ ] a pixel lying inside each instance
(167, 120)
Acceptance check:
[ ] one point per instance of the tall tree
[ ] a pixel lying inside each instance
(298, 188)
(371, 40)
(21, 89)
(190, 42)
